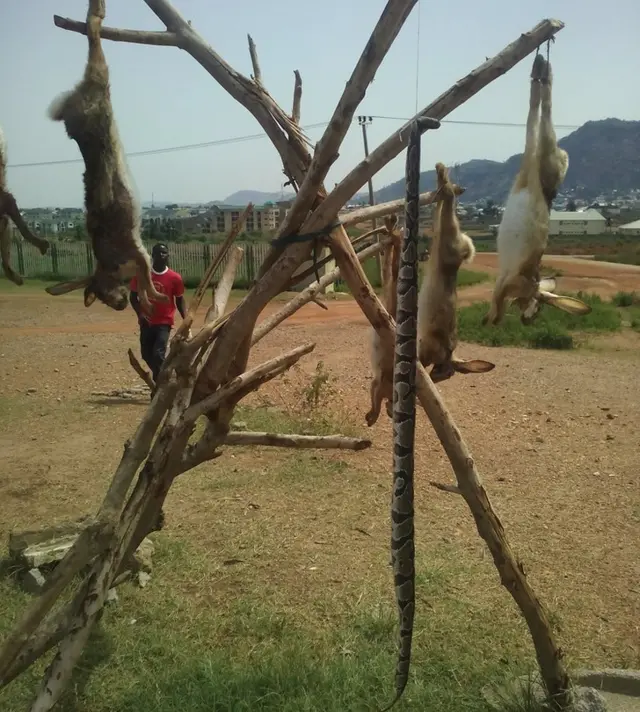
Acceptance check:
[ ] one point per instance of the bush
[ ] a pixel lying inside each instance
(551, 329)
(626, 299)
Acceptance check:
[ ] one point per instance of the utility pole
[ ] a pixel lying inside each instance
(365, 121)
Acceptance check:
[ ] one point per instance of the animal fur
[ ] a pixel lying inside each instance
(523, 231)
(381, 358)
(437, 301)
(113, 217)
(9, 209)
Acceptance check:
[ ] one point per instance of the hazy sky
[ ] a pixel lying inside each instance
(163, 98)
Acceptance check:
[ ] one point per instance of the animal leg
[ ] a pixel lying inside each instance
(554, 161)
(498, 304)
(10, 208)
(376, 402)
(5, 251)
(145, 281)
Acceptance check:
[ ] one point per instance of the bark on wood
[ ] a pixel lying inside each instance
(223, 290)
(297, 97)
(292, 306)
(140, 370)
(296, 441)
(382, 209)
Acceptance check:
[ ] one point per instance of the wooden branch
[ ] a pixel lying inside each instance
(223, 290)
(141, 371)
(320, 303)
(451, 99)
(487, 521)
(167, 39)
(386, 30)
(446, 488)
(292, 306)
(257, 74)
(296, 441)
(215, 262)
(297, 97)
(300, 276)
(248, 381)
(382, 209)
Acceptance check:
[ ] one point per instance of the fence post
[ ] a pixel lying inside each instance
(54, 258)
(89, 253)
(250, 265)
(206, 256)
(20, 256)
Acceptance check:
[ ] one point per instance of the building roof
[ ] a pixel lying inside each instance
(590, 214)
(635, 225)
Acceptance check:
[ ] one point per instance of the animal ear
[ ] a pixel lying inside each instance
(548, 284)
(473, 366)
(458, 190)
(89, 297)
(570, 305)
(65, 287)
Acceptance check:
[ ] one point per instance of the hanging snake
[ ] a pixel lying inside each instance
(404, 416)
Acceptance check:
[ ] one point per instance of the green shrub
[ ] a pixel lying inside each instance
(552, 328)
(625, 299)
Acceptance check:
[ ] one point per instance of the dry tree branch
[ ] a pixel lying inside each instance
(451, 99)
(300, 276)
(382, 209)
(167, 39)
(223, 290)
(257, 74)
(487, 521)
(248, 381)
(386, 30)
(215, 262)
(296, 441)
(306, 295)
(297, 97)
(140, 370)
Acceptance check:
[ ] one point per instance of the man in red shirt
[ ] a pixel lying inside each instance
(155, 327)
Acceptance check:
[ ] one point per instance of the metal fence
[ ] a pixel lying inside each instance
(67, 260)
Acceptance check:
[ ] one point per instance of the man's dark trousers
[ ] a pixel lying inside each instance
(153, 345)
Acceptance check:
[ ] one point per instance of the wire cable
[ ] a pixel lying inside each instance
(255, 137)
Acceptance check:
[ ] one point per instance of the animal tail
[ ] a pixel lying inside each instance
(469, 250)
(56, 109)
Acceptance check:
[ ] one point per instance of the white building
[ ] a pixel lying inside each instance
(632, 228)
(582, 222)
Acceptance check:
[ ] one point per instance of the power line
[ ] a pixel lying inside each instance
(255, 137)
(475, 123)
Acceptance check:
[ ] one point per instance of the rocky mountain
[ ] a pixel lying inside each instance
(603, 156)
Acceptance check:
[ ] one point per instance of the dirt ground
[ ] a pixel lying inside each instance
(555, 437)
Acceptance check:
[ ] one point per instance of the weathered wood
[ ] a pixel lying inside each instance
(382, 209)
(223, 290)
(140, 370)
(167, 39)
(340, 442)
(292, 306)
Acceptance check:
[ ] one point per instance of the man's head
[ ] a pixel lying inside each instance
(160, 256)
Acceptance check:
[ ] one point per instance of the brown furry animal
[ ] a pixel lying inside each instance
(9, 209)
(381, 359)
(113, 217)
(437, 301)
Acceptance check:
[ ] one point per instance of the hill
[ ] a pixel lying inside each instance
(257, 197)
(603, 156)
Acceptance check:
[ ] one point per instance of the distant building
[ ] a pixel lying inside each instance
(632, 228)
(581, 222)
(220, 219)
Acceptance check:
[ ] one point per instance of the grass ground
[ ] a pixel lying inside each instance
(271, 587)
